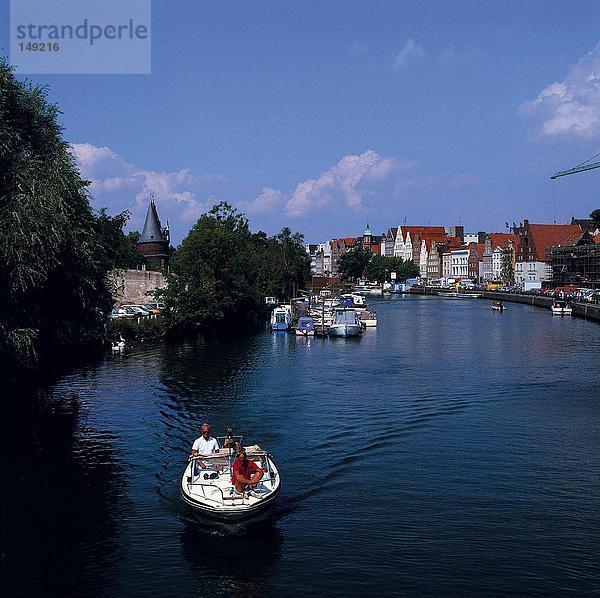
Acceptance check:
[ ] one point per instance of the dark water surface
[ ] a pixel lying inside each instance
(451, 451)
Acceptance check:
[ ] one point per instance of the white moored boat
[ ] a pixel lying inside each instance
(561, 308)
(206, 484)
(345, 323)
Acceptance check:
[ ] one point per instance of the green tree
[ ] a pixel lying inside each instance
(595, 216)
(353, 263)
(507, 270)
(52, 289)
(120, 249)
(212, 273)
(380, 269)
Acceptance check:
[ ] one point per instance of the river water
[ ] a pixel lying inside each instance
(452, 451)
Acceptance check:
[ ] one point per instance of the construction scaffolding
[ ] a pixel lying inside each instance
(576, 264)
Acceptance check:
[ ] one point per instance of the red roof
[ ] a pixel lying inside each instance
(549, 235)
(501, 240)
(476, 250)
(413, 230)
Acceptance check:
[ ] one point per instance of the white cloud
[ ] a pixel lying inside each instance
(411, 52)
(347, 183)
(119, 185)
(267, 200)
(571, 107)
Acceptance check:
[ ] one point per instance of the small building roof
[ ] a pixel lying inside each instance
(152, 232)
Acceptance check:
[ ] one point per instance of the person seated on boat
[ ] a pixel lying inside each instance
(206, 444)
(246, 473)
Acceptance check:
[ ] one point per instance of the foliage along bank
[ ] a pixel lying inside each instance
(222, 272)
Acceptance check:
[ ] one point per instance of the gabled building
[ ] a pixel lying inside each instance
(388, 240)
(533, 257)
(495, 245)
(475, 261)
(408, 241)
(154, 241)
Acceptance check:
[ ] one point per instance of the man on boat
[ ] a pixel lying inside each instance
(246, 473)
(206, 444)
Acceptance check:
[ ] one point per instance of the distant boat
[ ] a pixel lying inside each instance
(345, 323)
(498, 306)
(368, 288)
(561, 308)
(281, 318)
(457, 295)
(305, 326)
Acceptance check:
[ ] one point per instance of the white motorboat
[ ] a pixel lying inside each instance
(345, 323)
(281, 318)
(368, 318)
(498, 306)
(206, 484)
(561, 308)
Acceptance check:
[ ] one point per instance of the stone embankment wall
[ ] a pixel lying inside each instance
(583, 310)
(135, 286)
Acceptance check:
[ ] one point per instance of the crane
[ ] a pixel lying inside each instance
(580, 168)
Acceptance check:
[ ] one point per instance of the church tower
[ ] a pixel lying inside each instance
(154, 242)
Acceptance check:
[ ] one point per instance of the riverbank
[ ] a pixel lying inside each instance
(581, 310)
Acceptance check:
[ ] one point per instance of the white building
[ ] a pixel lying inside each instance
(459, 263)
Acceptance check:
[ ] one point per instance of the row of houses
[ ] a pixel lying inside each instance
(528, 253)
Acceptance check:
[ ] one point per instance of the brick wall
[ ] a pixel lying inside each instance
(132, 286)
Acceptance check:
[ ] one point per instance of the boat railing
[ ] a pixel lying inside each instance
(192, 462)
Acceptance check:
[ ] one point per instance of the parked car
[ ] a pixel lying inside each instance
(154, 308)
(120, 312)
(137, 310)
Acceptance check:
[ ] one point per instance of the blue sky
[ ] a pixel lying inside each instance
(322, 116)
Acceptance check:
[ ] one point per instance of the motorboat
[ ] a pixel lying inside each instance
(207, 488)
(345, 323)
(561, 308)
(368, 288)
(281, 318)
(498, 306)
(305, 326)
(368, 318)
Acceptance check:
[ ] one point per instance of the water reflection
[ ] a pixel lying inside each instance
(64, 499)
(235, 560)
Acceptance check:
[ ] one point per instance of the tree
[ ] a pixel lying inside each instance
(380, 268)
(507, 270)
(353, 263)
(53, 293)
(120, 249)
(221, 272)
(595, 216)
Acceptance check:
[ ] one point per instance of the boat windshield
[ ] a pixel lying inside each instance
(280, 317)
(345, 317)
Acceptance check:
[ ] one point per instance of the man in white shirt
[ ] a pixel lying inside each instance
(206, 444)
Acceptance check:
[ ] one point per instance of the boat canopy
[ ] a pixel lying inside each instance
(345, 317)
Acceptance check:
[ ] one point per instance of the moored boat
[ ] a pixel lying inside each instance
(206, 484)
(368, 318)
(561, 308)
(281, 318)
(305, 326)
(345, 323)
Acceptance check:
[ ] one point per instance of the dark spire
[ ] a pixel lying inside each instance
(152, 232)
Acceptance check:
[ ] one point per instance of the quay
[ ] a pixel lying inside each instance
(581, 310)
